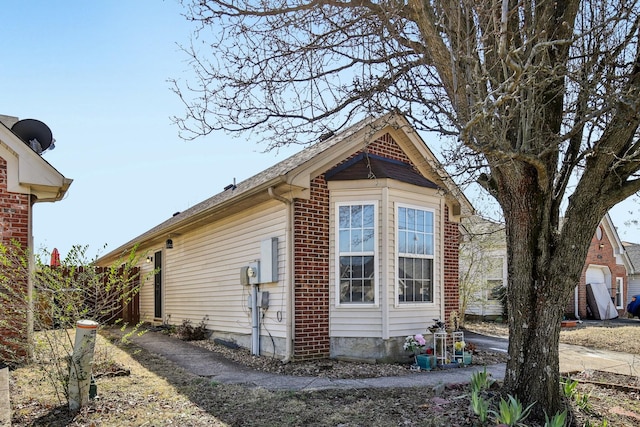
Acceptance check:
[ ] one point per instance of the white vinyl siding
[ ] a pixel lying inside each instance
(353, 320)
(202, 272)
(410, 318)
(386, 318)
(146, 289)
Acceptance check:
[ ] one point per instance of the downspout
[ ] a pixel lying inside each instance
(576, 311)
(289, 276)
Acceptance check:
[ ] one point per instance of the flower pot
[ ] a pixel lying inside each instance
(424, 361)
(466, 358)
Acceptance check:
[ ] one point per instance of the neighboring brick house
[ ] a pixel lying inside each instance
(25, 179)
(356, 239)
(607, 263)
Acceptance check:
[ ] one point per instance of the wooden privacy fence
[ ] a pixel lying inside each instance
(103, 298)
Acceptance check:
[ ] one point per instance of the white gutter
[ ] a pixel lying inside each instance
(289, 276)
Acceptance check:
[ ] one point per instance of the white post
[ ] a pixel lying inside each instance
(80, 364)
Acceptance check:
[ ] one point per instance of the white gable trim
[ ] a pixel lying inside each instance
(28, 172)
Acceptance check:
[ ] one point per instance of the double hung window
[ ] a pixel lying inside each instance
(356, 253)
(415, 255)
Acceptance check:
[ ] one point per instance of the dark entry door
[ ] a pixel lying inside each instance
(157, 285)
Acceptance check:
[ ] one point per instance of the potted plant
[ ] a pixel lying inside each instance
(415, 344)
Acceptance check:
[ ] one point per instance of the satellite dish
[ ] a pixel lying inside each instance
(34, 133)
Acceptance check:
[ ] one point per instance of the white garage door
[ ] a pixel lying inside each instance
(595, 275)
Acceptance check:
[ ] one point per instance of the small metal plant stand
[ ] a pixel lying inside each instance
(458, 346)
(440, 346)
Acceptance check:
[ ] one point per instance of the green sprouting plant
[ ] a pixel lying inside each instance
(511, 412)
(582, 400)
(558, 420)
(481, 380)
(569, 387)
(480, 406)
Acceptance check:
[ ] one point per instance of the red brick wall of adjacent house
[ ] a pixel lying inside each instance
(598, 256)
(15, 214)
(311, 254)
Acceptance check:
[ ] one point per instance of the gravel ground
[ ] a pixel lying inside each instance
(330, 368)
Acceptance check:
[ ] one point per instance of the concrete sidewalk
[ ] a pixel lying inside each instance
(574, 358)
(205, 363)
(208, 364)
(5, 406)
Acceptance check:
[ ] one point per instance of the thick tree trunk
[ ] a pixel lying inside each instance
(540, 283)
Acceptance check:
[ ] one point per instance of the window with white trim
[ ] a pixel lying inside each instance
(494, 275)
(415, 255)
(356, 253)
(619, 292)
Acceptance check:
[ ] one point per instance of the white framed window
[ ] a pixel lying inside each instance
(416, 243)
(495, 278)
(356, 226)
(619, 298)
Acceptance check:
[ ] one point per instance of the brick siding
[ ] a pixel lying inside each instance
(451, 266)
(15, 213)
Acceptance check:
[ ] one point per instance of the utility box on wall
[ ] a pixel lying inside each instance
(254, 273)
(269, 260)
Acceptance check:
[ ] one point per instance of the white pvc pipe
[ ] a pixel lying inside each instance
(80, 364)
(255, 322)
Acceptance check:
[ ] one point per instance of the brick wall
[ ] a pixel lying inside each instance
(311, 274)
(311, 255)
(15, 213)
(451, 241)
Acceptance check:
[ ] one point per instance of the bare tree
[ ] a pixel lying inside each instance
(539, 94)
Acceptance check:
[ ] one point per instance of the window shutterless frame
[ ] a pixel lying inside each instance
(415, 257)
(356, 243)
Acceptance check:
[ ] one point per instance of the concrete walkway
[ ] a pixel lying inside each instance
(5, 405)
(574, 358)
(205, 363)
(208, 364)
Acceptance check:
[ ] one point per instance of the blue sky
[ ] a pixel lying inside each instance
(96, 73)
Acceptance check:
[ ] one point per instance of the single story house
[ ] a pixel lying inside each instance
(341, 250)
(25, 179)
(607, 266)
